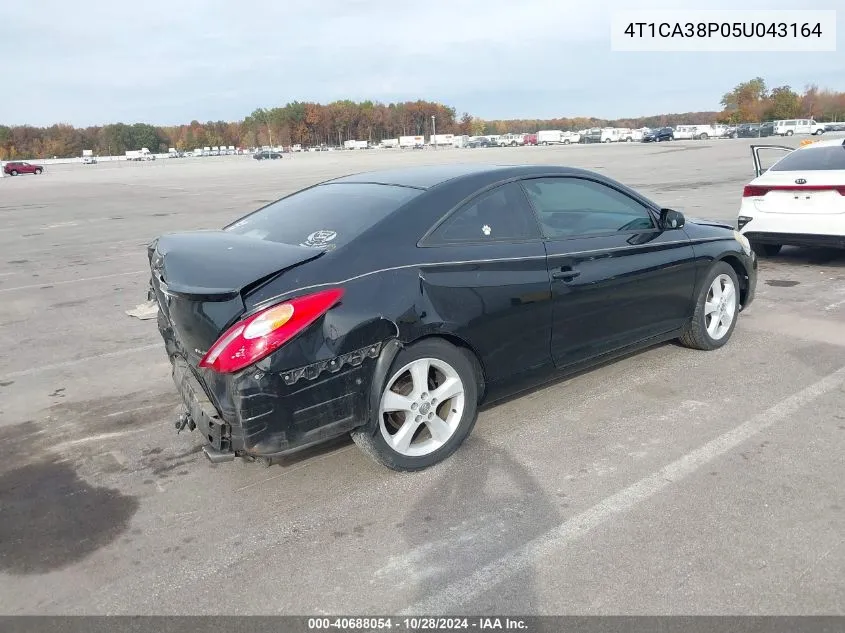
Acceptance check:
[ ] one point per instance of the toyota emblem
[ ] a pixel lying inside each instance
(800, 181)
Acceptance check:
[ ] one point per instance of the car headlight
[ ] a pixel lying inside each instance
(743, 241)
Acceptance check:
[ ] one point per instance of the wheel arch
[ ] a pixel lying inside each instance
(469, 350)
(741, 274)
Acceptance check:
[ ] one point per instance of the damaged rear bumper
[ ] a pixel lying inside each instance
(266, 415)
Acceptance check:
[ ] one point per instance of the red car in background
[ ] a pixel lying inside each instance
(13, 169)
(530, 139)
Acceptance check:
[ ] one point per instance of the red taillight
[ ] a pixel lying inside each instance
(750, 191)
(257, 336)
(754, 191)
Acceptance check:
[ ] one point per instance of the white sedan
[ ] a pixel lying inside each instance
(798, 201)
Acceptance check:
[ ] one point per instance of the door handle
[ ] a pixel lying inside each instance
(565, 274)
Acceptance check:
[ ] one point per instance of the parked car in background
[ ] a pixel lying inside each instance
(529, 139)
(89, 160)
(18, 168)
(748, 130)
(266, 155)
(799, 200)
(834, 127)
(660, 134)
(480, 141)
(767, 128)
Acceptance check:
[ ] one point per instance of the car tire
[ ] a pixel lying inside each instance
(38, 172)
(14, 172)
(766, 250)
(380, 437)
(789, 133)
(702, 332)
(703, 137)
(566, 141)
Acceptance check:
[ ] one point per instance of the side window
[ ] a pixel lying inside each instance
(501, 214)
(572, 207)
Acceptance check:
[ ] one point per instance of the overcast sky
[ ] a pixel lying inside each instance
(165, 62)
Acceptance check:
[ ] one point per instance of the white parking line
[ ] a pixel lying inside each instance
(78, 361)
(72, 281)
(470, 587)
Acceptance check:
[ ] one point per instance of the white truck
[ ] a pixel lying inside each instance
(570, 138)
(389, 143)
(356, 144)
(138, 155)
(441, 139)
(549, 137)
(460, 140)
(510, 140)
(411, 142)
(698, 132)
(628, 135)
(798, 126)
(557, 137)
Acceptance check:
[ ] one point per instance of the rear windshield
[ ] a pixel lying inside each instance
(813, 159)
(325, 216)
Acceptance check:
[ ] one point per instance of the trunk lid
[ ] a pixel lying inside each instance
(814, 192)
(200, 280)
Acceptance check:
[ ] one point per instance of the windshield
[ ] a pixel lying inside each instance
(325, 216)
(827, 158)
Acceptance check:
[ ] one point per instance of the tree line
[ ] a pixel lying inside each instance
(314, 124)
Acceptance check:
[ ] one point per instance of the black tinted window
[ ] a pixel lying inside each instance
(324, 216)
(569, 207)
(813, 159)
(501, 214)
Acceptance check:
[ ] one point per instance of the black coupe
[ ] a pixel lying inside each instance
(392, 304)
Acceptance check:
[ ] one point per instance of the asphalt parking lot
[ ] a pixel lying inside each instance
(671, 482)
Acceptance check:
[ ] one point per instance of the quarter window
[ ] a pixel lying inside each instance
(571, 207)
(501, 214)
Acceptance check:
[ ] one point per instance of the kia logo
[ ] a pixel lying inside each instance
(800, 181)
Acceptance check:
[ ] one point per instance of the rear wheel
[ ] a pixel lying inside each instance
(716, 310)
(14, 172)
(789, 132)
(766, 250)
(703, 137)
(428, 407)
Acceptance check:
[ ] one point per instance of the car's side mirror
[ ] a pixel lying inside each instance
(671, 219)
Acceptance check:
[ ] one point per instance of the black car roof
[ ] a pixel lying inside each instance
(425, 177)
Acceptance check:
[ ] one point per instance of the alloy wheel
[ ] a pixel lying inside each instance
(421, 407)
(720, 307)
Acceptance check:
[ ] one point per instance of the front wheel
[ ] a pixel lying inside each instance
(766, 250)
(716, 310)
(38, 172)
(428, 406)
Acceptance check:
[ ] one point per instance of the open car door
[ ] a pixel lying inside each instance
(773, 153)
